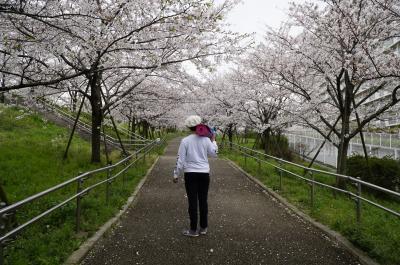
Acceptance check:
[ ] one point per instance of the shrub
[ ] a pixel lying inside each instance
(384, 172)
(278, 145)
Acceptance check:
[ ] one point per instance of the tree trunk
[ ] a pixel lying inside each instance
(105, 146)
(96, 104)
(278, 144)
(74, 100)
(342, 162)
(3, 83)
(223, 135)
(361, 135)
(344, 134)
(146, 129)
(140, 128)
(246, 135)
(133, 128)
(74, 103)
(265, 140)
(230, 134)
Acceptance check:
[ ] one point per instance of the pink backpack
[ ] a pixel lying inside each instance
(203, 130)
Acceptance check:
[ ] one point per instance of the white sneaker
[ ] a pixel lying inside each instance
(190, 233)
(203, 231)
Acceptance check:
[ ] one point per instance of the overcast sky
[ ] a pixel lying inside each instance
(253, 15)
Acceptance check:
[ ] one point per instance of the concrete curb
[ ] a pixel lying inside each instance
(333, 235)
(78, 255)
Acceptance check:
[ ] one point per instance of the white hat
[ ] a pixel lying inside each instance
(192, 121)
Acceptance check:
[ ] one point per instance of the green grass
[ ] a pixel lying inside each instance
(31, 153)
(30, 162)
(379, 232)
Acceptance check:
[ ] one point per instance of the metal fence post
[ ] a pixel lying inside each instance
(78, 205)
(108, 187)
(312, 191)
(3, 219)
(1, 253)
(125, 164)
(358, 202)
(280, 175)
(3, 222)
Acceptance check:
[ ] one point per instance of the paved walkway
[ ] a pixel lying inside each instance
(246, 226)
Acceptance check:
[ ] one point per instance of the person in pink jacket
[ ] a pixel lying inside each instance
(193, 162)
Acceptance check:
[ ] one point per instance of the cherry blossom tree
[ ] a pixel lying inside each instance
(337, 65)
(216, 102)
(392, 6)
(150, 103)
(114, 45)
(264, 104)
(243, 99)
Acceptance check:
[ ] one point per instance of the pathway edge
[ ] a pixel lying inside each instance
(335, 236)
(78, 255)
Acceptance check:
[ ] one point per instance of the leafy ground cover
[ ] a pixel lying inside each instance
(30, 162)
(378, 234)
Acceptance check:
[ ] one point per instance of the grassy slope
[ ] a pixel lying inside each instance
(31, 153)
(379, 232)
(31, 161)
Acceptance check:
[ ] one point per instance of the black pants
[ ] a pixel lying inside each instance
(196, 185)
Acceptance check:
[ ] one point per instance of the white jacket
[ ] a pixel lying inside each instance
(192, 154)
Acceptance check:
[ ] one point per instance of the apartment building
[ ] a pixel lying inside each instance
(390, 118)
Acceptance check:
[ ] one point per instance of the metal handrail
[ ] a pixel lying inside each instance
(87, 127)
(244, 150)
(21, 203)
(137, 155)
(127, 132)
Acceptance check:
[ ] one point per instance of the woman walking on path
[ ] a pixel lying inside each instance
(192, 160)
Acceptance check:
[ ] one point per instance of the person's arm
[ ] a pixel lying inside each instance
(180, 160)
(212, 148)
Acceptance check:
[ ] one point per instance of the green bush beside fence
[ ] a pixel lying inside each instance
(384, 172)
